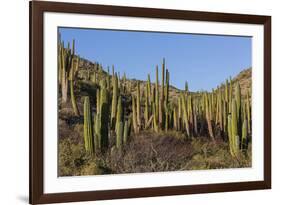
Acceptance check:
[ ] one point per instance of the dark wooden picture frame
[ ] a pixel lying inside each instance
(37, 9)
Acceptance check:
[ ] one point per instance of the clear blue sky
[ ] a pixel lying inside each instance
(205, 61)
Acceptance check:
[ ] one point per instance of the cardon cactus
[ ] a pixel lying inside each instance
(146, 108)
(138, 105)
(126, 132)
(72, 95)
(185, 115)
(119, 116)
(233, 130)
(119, 134)
(104, 111)
(88, 126)
(156, 116)
(114, 101)
(208, 117)
(135, 123)
(97, 132)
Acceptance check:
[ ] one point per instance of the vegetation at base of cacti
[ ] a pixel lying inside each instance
(88, 126)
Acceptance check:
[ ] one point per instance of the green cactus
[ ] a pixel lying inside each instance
(88, 126)
(97, 132)
(167, 88)
(156, 116)
(146, 108)
(166, 119)
(233, 135)
(119, 116)
(244, 135)
(208, 117)
(248, 109)
(179, 114)
(195, 119)
(149, 88)
(138, 105)
(175, 119)
(135, 123)
(72, 95)
(186, 87)
(226, 90)
(104, 110)
(114, 101)
(119, 134)
(185, 115)
(155, 123)
(126, 132)
(230, 142)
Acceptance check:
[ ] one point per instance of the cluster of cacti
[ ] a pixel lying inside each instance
(68, 64)
(122, 105)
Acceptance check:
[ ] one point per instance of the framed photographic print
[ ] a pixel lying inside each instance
(137, 102)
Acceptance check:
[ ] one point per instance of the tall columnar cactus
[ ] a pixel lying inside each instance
(166, 118)
(167, 88)
(119, 116)
(179, 114)
(108, 81)
(88, 126)
(238, 108)
(230, 94)
(135, 123)
(230, 139)
(244, 135)
(119, 134)
(195, 119)
(185, 115)
(186, 87)
(114, 101)
(175, 119)
(238, 100)
(72, 95)
(226, 90)
(233, 130)
(163, 81)
(64, 56)
(155, 123)
(248, 110)
(225, 113)
(104, 111)
(208, 117)
(156, 97)
(126, 132)
(146, 108)
(149, 88)
(220, 114)
(97, 132)
(138, 105)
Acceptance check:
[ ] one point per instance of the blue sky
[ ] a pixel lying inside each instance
(205, 61)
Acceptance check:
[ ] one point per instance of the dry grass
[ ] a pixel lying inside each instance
(149, 152)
